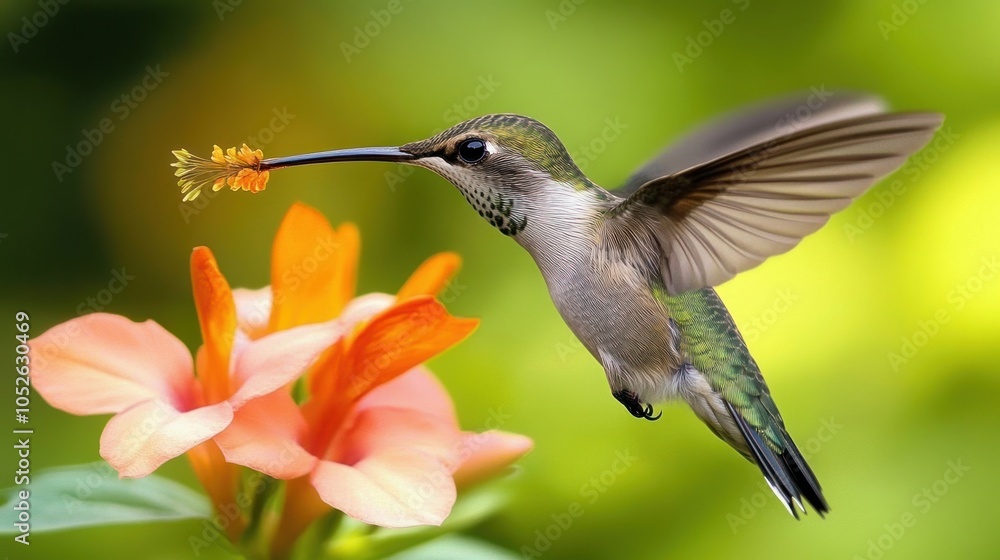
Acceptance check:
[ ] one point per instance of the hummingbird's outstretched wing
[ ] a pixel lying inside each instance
(737, 404)
(757, 123)
(718, 218)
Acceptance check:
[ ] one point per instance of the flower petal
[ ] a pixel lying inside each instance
(416, 390)
(479, 455)
(270, 363)
(264, 436)
(484, 455)
(365, 307)
(398, 340)
(313, 268)
(103, 363)
(388, 492)
(253, 310)
(323, 377)
(217, 317)
(140, 439)
(217, 155)
(391, 469)
(431, 276)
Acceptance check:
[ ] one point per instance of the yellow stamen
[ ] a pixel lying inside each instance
(239, 169)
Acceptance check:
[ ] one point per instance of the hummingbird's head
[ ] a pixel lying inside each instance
(509, 167)
(512, 169)
(498, 148)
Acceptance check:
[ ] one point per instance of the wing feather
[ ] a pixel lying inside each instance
(721, 217)
(753, 125)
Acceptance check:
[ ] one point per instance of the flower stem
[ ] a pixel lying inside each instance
(302, 507)
(220, 480)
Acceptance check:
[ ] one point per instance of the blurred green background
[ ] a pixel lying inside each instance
(914, 265)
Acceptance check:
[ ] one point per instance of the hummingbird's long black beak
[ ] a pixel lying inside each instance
(352, 154)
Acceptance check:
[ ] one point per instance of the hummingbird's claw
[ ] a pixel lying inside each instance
(634, 407)
(649, 413)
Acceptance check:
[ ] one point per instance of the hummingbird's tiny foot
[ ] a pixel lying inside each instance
(649, 413)
(634, 406)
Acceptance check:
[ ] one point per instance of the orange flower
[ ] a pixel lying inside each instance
(377, 438)
(103, 363)
(239, 169)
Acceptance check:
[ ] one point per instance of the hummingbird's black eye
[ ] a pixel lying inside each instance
(472, 150)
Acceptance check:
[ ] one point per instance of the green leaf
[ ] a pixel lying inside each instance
(92, 494)
(456, 547)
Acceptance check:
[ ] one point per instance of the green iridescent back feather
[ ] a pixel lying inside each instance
(714, 346)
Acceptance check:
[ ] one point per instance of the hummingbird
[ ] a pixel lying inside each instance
(632, 271)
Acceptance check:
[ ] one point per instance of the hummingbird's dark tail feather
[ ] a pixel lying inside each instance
(803, 477)
(787, 473)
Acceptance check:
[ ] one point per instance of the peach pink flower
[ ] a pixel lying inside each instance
(377, 438)
(103, 363)
(375, 435)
